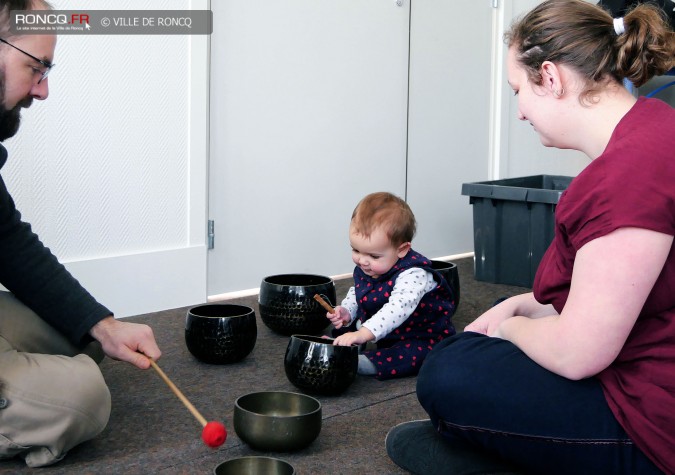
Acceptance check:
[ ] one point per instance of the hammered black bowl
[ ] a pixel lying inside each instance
(315, 365)
(451, 274)
(277, 421)
(254, 466)
(287, 304)
(220, 333)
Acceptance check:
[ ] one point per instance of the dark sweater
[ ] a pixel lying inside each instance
(33, 274)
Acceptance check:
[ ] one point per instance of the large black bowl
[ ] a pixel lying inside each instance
(449, 271)
(287, 303)
(314, 364)
(220, 333)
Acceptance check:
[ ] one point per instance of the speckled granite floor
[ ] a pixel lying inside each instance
(150, 431)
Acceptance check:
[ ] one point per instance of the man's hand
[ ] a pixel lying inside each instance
(126, 341)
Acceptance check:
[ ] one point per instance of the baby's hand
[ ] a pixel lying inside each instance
(340, 317)
(362, 335)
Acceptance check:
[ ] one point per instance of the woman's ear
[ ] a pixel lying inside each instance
(552, 78)
(403, 249)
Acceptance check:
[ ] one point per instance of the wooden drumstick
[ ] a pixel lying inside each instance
(214, 433)
(324, 304)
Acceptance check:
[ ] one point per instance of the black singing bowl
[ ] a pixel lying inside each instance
(254, 466)
(220, 333)
(314, 364)
(277, 421)
(449, 271)
(287, 304)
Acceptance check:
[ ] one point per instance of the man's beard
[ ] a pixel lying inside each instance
(10, 119)
(9, 122)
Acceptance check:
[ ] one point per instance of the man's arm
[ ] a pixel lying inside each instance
(33, 274)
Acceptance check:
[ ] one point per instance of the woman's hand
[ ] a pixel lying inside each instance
(362, 335)
(340, 318)
(489, 322)
(524, 305)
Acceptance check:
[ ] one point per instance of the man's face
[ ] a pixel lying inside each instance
(19, 76)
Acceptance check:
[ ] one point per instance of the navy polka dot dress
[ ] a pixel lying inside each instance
(401, 352)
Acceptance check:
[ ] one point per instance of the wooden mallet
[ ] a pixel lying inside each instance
(214, 433)
(324, 304)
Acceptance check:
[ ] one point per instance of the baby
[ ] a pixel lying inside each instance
(398, 300)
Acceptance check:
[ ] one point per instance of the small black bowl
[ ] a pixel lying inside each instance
(451, 274)
(287, 304)
(314, 364)
(220, 333)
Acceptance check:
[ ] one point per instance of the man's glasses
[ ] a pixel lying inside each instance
(47, 65)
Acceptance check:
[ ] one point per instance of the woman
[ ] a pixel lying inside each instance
(579, 375)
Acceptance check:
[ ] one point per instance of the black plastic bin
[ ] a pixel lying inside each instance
(513, 223)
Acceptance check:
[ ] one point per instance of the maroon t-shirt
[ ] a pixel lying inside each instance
(632, 184)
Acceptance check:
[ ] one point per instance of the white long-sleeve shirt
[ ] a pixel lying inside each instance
(411, 285)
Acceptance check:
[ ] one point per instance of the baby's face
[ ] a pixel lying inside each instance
(375, 255)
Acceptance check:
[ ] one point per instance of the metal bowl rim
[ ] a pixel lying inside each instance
(247, 411)
(249, 457)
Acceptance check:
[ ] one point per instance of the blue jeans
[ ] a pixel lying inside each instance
(486, 392)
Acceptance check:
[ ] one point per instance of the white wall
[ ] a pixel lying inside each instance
(519, 149)
(449, 118)
(111, 169)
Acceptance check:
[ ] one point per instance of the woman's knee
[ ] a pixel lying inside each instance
(438, 376)
(453, 371)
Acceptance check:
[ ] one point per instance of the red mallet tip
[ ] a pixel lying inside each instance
(214, 434)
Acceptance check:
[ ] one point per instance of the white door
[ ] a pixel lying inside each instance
(308, 114)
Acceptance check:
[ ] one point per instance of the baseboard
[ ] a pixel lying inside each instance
(248, 292)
